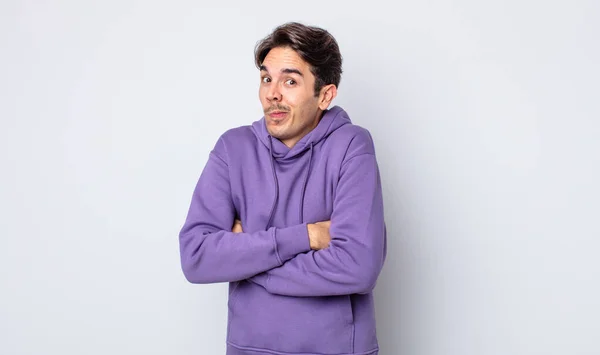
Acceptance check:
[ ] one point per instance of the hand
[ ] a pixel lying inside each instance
(318, 234)
(237, 227)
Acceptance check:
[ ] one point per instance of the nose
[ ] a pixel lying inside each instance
(274, 94)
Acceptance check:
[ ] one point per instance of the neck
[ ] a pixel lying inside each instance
(290, 143)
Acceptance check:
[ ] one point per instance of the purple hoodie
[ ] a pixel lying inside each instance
(285, 298)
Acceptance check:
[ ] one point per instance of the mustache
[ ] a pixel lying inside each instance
(277, 108)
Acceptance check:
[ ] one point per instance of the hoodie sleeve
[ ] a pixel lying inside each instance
(210, 252)
(355, 256)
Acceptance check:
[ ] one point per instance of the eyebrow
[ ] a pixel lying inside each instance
(285, 70)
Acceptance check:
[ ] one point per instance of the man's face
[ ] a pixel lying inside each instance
(287, 96)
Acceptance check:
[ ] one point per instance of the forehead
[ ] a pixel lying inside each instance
(284, 57)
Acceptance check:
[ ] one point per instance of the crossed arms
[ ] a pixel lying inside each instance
(337, 257)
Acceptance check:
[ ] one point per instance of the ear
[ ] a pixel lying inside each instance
(328, 93)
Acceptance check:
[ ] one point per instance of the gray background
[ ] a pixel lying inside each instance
(485, 117)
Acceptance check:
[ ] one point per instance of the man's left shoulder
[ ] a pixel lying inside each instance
(356, 139)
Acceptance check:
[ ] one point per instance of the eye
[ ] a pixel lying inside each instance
(291, 82)
(265, 79)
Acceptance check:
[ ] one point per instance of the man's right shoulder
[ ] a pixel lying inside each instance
(239, 135)
(235, 140)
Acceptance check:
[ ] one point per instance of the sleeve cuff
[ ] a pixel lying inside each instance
(291, 241)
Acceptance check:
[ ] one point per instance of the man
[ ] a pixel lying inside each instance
(289, 211)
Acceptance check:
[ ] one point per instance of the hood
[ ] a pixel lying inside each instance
(332, 119)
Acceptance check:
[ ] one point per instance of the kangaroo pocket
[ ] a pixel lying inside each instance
(258, 319)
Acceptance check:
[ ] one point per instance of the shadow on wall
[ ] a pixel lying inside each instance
(396, 294)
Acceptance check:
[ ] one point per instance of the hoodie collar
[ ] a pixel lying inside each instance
(331, 120)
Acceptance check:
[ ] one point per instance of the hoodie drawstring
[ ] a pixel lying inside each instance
(305, 183)
(276, 183)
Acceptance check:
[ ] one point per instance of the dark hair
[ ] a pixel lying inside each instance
(315, 46)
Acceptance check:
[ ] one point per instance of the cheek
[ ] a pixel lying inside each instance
(263, 100)
(261, 93)
(292, 100)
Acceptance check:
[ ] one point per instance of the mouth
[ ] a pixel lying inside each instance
(278, 114)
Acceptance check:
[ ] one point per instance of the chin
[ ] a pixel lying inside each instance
(277, 135)
(279, 132)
